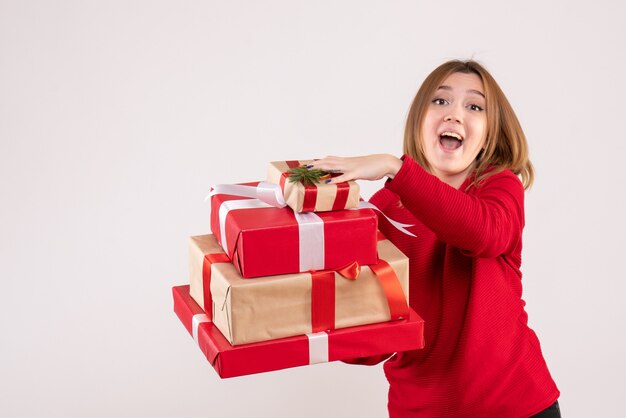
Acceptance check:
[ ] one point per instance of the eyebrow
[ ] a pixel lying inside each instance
(444, 87)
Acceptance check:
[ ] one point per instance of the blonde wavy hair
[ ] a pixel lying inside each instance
(505, 146)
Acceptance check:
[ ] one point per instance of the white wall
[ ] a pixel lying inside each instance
(116, 116)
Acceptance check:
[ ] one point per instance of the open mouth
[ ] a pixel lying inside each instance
(450, 140)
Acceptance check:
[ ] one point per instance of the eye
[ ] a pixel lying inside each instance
(475, 108)
(439, 101)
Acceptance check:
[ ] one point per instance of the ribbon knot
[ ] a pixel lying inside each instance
(350, 271)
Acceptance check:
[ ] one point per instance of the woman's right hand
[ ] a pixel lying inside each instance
(367, 167)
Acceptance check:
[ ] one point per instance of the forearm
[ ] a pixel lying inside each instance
(486, 223)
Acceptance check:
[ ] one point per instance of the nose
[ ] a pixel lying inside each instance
(453, 115)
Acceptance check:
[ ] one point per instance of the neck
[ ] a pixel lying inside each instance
(455, 180)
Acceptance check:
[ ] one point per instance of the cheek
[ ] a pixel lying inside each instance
(429, 128)
(430, 119)
(480, 130)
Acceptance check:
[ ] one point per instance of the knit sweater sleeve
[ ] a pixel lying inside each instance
(486, 222)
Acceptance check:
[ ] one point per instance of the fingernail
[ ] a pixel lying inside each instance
(308, 166)
(328, 181)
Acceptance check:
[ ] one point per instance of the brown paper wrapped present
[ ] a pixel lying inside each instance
(267, 308)
(319, 197)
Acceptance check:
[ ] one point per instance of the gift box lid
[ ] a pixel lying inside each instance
(340, 344)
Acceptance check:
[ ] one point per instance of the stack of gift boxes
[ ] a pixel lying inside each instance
(295, 273)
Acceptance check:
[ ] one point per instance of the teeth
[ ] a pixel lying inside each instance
(453, 135)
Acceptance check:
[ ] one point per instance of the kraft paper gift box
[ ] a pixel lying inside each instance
(340, 344)
(266, 308)
(320, 197)
(264, 240)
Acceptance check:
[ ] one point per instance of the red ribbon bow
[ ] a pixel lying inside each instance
(350, 271)
(323, 293)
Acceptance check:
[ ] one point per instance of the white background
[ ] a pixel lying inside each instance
(116, 116)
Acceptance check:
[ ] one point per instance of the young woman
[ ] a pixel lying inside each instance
(461, 183)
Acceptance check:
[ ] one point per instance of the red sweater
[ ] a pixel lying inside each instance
(481, 359)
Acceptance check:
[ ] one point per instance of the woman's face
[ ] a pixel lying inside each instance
(454, 128)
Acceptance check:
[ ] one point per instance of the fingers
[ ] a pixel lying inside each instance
(329, 163)
(343, 165)
(351, 168)
(333, 165)
(339, 179)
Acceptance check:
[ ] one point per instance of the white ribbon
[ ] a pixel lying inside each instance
(196, 320)
(318, 347)
(311, 241)
(398, 225)
(266, 192)
(229, 205)
(271, 193)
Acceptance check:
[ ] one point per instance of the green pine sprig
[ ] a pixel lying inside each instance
(305, 176)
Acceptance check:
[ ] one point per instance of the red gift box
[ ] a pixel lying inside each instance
(263, 240)
(340, 344)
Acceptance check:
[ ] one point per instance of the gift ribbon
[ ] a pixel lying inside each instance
(350, 271)
(323, 295)
(196, 320)
(266, 192)
(311, 241)
(318, 347)
(398, 307)
(398, 225)
(322, 300)
(341, 198)
(209, 259)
